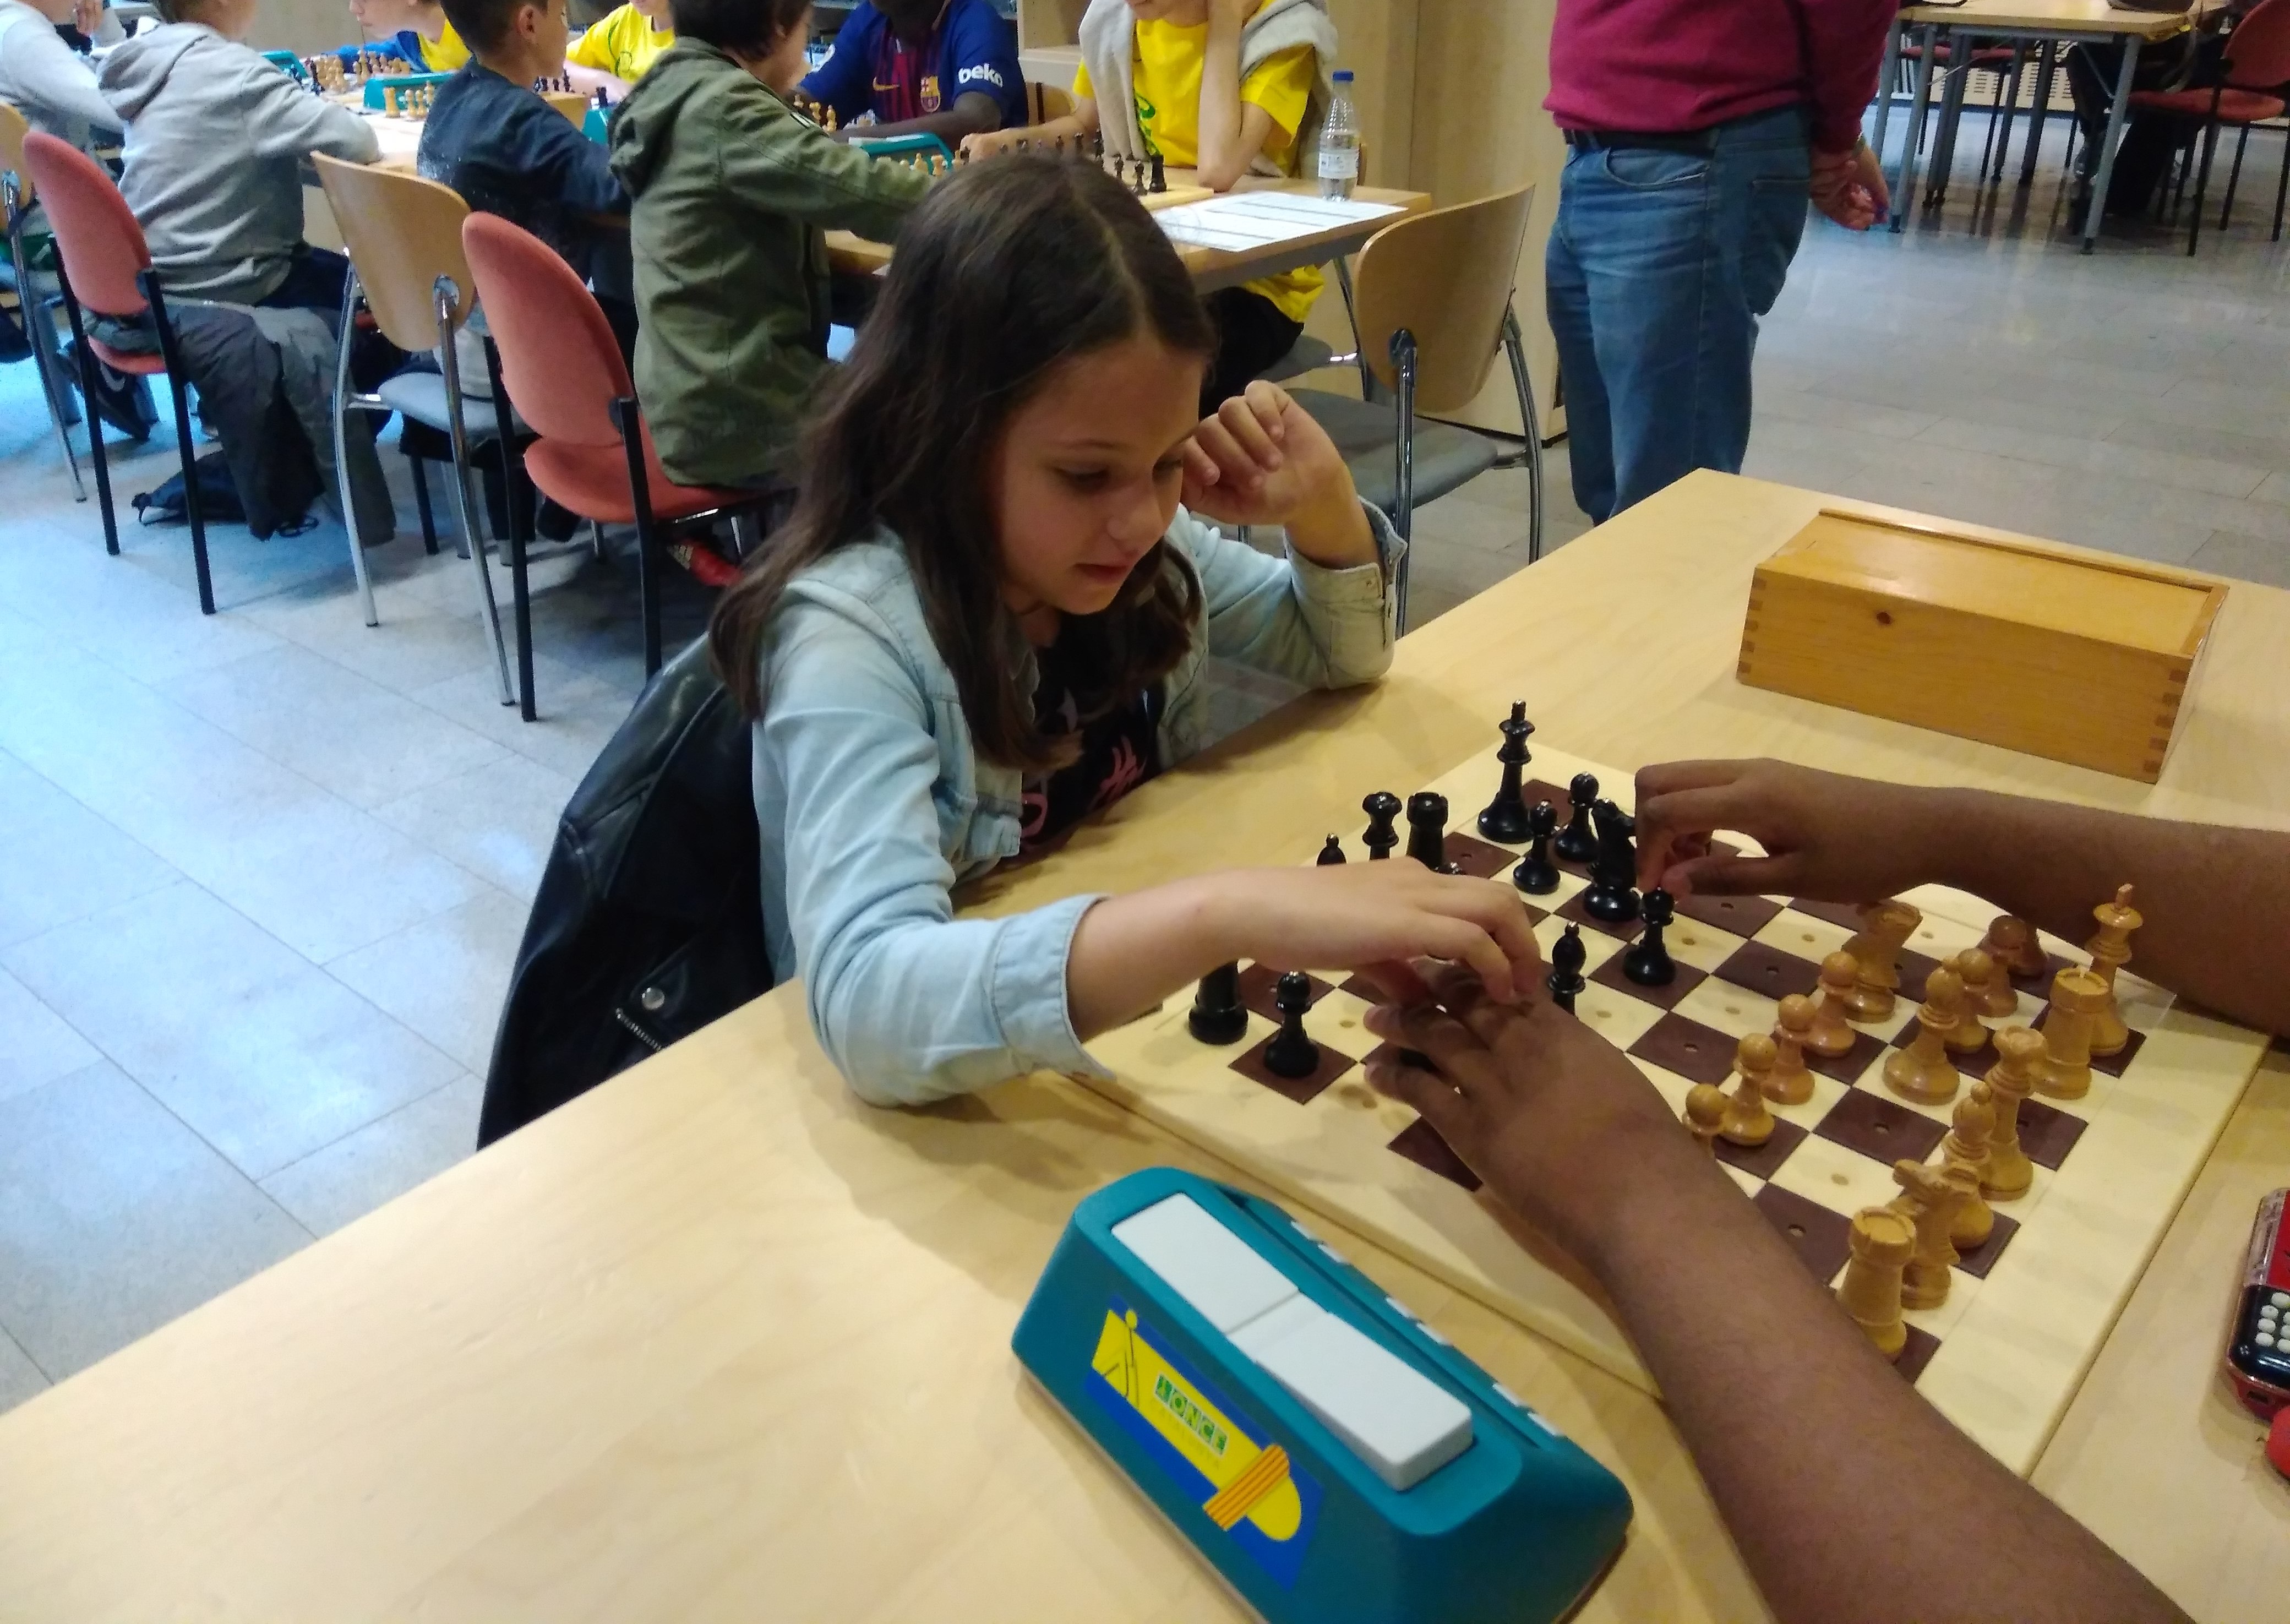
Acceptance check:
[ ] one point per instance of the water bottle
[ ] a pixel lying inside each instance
(1339, 141)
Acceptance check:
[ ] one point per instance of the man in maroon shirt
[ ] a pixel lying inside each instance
(1698, 130)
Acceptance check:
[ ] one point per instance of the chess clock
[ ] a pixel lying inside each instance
(1331, 1456)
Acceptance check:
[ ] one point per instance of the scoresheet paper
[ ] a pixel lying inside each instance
(1239, 221)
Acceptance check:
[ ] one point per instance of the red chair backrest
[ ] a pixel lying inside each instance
(102, 246)
(2258, 52)
(558, 359)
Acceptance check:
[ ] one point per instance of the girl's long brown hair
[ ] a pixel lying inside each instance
(1007, 270)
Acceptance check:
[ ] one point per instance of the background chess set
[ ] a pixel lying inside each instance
(2026, 1311)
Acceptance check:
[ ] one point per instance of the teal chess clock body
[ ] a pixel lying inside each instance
(1332, 1457)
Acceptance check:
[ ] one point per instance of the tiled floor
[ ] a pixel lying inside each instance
(262, 876)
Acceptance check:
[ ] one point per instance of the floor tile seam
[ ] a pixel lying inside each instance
(460, 1073)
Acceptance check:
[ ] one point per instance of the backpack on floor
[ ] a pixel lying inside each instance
(219, 502)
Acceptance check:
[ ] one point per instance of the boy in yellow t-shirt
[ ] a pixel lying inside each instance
(615, 50)
(414, 29)
(1221, 87)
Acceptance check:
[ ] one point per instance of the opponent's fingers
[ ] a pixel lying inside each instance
(1717, 875)
(1458, 1056)
(1431, 1096)
(1399, 980)
(1242, 418)
(1668, 777)
(1658, 855)
(1699, 810)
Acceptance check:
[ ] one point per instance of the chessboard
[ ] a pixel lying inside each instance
(2027, 1310)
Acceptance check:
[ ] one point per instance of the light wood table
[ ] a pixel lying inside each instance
(1212, 268)
(715, 1341)
(2051, 24)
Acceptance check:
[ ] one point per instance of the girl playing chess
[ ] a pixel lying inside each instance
(991, 616)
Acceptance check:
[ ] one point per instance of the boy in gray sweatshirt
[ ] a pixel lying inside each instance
(216, 140)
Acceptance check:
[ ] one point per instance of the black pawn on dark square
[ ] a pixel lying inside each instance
(1505, 817)
(1567, 958)
(1292, 1053)
(1382, 834)
(1536, 875)
(1426, 829)
(1578, 842)
(1331, 854)
(1218, 1016)
(1648, 961)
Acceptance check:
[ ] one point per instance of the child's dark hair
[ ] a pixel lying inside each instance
(484, 24)
(1005, 272)
(742, 27)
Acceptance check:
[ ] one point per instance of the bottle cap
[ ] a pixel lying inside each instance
(1343, 75)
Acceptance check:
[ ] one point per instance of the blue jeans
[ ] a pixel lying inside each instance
(1658, 269)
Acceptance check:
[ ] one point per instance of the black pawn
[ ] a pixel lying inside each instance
(1137, 176)
(1292, 1053)
(1613, 896)
(1382, 810)
(1577, 844)
(1648, 963)
(1332, 853)
(1427, 830)
(1505, 817)
(1536, 875)
(1566, 960)
(1218, 1016)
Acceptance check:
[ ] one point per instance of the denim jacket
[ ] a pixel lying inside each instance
(872, 804)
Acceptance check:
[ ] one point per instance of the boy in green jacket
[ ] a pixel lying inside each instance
(734, 192)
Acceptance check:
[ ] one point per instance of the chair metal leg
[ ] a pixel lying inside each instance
(350, 288)
(520, 585)
(1403, 517)
(40, 332)
(631, 426)
(185, 446)
(2202, 179)
(1514, 347)
(2281, 191)
(2233, 175)
(421, 506)
(446, 300)
(87, 364)
(1352, 313)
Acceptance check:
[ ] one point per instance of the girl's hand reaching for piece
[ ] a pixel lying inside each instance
(1383, 914)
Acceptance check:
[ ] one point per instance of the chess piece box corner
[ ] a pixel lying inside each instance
(2070, 656)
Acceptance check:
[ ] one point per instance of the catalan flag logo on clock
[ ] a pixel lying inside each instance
(1226, 1463)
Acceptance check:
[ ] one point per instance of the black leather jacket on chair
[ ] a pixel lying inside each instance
(648, 924)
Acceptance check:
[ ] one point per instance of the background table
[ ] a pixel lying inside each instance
(715, 1341)
(2048, 22)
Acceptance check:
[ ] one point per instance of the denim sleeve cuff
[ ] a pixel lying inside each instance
(1028, 982)
(1353, 611)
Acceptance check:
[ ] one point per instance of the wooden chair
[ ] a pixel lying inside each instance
(16, 197)
(404, 235)
(572, 104)
(1431, 304)
(106, 266)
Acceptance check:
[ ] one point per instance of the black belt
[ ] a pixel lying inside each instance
(1700, 143)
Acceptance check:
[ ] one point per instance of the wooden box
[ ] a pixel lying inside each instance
(2075, 659)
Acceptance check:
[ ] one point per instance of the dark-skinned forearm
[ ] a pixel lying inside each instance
(1848, 1496)
(2215, 899)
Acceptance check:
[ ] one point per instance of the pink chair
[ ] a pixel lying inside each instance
(564, 375)
(2256, 54)
(106, 266)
